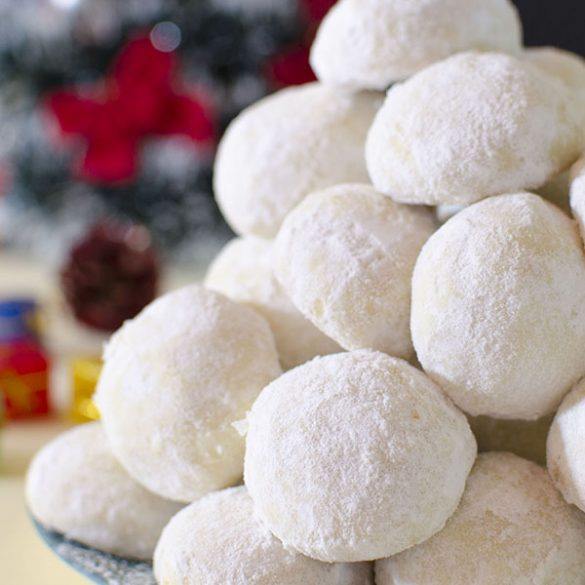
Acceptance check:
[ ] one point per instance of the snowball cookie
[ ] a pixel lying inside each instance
(76, 487)
(175, 378)
(512, 528)
(498, 307)
(219, 541)
(243, 273)
(375, 456)
(345, 257)
(525, 438)
(565, 457)
(564, 65)
(567, 67)
(577, 194)
(475, 125)
(285, 146)
(371, 43)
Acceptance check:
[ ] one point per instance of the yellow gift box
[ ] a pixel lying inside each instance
(85, 373)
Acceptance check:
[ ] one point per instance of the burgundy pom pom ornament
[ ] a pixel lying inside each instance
(111, 275)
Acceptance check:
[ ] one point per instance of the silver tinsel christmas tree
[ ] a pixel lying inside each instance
(67, 64)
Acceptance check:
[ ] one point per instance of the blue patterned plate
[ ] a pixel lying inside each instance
(100, 567)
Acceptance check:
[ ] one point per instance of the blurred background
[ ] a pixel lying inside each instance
(110, 113)
(112, 108)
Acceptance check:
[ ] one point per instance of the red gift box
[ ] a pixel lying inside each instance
(24, 378)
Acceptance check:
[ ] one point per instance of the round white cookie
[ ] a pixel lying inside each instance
(512, 528)
(498, 307)
(472, 126)
(76, 487)
(285, 146)
(564, 65)
(371, 43)
(565, 457)
(243, 272)
(355, 457)
(577, 194)
(345, 257)
(175, 378)
(567, 67)
(219, 541)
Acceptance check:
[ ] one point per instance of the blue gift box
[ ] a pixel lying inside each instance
(18, 319)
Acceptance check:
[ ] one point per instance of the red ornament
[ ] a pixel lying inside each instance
(111, 275)
(317, 9)
(292, 66)
(140, 98)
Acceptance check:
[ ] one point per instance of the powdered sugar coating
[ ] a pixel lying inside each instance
(76, 487)
(175, 378)
(565, 457)
(577, 194)
(564, 65)
(355, 457)
(472, 126)
(219, 541)
(371, 43)
(243, 272)
(345, 257)
(498, 309)
(285, 146)
(512, 528)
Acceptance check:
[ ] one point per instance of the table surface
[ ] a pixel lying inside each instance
(24, 558)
